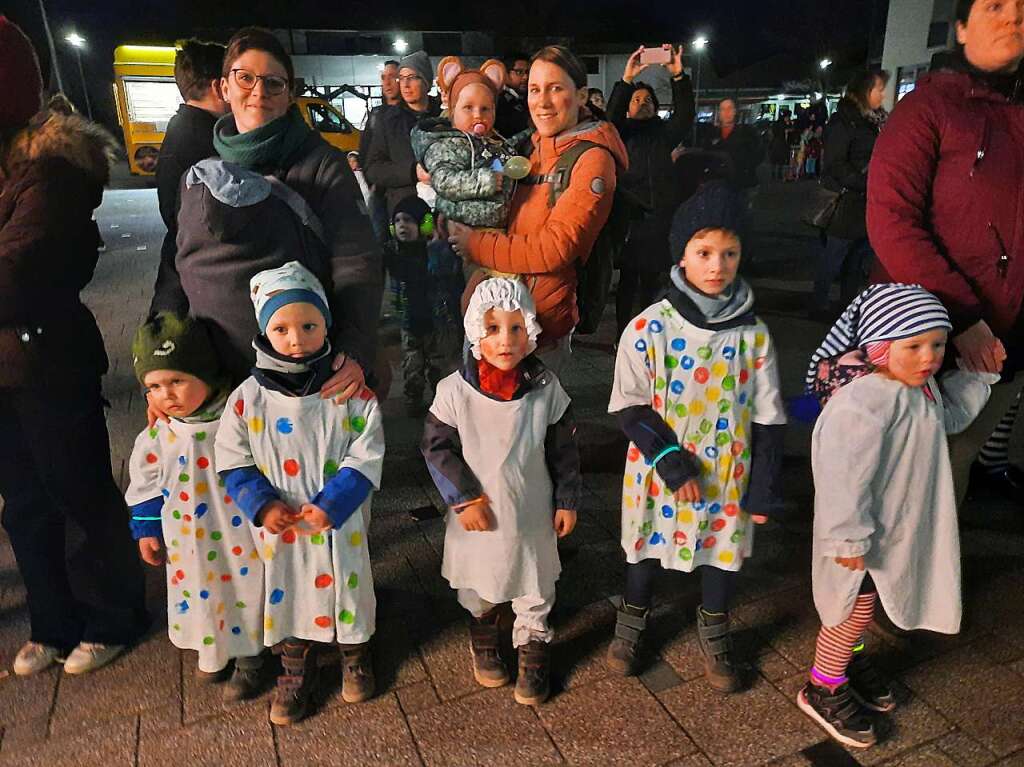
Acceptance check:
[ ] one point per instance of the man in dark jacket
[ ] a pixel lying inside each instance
(512, 115)
(739, 143)
(189, 139)
(378, 208)
(389, 163)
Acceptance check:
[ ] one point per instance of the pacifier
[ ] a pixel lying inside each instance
(479, 129)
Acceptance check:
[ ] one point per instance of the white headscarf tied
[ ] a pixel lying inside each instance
(507, 295)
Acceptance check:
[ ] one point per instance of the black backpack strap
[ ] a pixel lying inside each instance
(299, 207)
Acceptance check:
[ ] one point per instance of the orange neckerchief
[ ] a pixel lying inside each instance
(501, 384)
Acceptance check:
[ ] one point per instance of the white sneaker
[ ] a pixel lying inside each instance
(89, 656)
(34, 657)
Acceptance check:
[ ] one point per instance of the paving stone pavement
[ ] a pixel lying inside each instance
(962, 701)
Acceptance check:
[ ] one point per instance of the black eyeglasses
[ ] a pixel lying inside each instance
(273, 85)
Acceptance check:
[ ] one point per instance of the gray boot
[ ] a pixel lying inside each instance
(624, 651)
(716, 647)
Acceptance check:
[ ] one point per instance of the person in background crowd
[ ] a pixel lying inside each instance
(778, 148)
(389, 163)
(224, 239)
(596, 103)
(849, 141)
(739, 143)
(633, 109)
(357, 171)
(545, 241)
(513, 116)
(392, 96)
(943, 205)
(85, 601)
(188, 140)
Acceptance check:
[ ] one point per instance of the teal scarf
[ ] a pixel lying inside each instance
(269, 146)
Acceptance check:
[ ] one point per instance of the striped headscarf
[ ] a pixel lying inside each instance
(881, 314)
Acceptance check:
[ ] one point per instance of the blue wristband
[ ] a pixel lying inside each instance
(663, 453)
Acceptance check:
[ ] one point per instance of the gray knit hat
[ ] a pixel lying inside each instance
(420, 62)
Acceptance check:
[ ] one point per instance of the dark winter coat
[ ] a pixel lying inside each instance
(650, 177)
(220, 247)
(389, 163)
(512, 115)
(743, 151)
(946, 198)
(188, 140)
(849, 141)
(51, 181)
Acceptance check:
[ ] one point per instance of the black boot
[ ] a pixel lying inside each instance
(624, 651)
(868, 686)
(297, 683)
(246, 680)
(357, 680)
(534, 683)
(489, 669)
(716, 647)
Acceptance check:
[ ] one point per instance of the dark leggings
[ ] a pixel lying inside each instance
(716, 585)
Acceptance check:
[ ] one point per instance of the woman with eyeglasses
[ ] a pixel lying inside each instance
(945, 194)
(228, 231)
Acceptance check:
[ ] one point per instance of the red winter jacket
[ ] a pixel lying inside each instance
(946, 199)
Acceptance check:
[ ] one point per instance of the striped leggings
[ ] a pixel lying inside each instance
(836, 644)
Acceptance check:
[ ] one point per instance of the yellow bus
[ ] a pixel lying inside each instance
(147, 98)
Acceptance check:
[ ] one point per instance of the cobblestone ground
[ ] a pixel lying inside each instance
(961, 696)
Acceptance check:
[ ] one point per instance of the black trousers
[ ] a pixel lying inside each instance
(635, 293)
(716, 586)
(55, 469)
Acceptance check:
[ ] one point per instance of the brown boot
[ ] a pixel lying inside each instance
(624, 651)
(489, 669)
(534, 683)
(716, 647)
(357, 680)
(297, 683)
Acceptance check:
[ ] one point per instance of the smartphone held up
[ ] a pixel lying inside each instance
(660, 55)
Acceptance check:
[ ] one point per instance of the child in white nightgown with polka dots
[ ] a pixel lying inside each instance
(303, 469)
(181, 515)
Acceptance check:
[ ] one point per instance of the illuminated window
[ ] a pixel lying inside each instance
(151, 100)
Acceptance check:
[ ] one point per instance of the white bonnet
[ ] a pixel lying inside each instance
(499, 293)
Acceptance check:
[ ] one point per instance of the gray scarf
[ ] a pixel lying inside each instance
(735, 300)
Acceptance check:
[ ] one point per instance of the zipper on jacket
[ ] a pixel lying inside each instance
(1003, 264)
(983, 148)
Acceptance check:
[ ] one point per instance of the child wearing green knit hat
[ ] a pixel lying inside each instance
(181, 515)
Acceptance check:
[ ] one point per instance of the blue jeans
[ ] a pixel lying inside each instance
(846, 259)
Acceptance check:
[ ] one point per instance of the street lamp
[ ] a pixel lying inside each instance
(77, 42)
(401, 46)
(699, 44)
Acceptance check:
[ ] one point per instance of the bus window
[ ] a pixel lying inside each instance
(325, 120)
(151, 100)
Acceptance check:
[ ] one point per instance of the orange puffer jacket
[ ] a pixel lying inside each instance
(544, 243)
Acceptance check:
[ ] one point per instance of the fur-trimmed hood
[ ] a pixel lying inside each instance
(82, 143)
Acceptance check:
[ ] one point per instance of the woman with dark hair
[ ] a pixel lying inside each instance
(221, 244)
(633, 108)
(547, 237)
(849, 141)
(85, 601)
(944, 201)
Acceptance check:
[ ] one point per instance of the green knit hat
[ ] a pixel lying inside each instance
(172, 342)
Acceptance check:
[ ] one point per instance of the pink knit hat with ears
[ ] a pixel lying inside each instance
(20, 80)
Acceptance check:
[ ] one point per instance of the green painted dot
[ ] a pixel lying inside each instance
(211, 556)
(695, 437)
(347, 616)
(650, 504)
(207, 640)
(220, 482)
(704, 352)
(176, 627)
(358, 424)
(200, 436)
(353, 581)
(671, 362)
(724, 406)
(317, 539)
(706, 426)
(183, 477)
(240, 605)
(176, 514)
(735, 537)
(174, 543)
(659, 384)
(729, 383)
(330, 468)
(216, 535)
(646, 528)
(685, 554)
(703, 525)
(681, 410)
(187, 594)
(745, 455)
(153, 432)
(743, 347)
(723, 439)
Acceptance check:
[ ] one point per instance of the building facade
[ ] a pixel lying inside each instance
(915, 31)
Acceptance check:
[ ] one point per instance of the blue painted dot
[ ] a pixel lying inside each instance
(276, 596)
(677, 387)
(236, 630)
(657, 538)
(640, 346)
(182, 607)
(729, 352)
(236, 521)
(181, 460)
(201, 509)
(656, 327)
(698, 545)
(166, 493)
(711, 452)
(722, 424)
(639, 478)
(714, 508)
(668, 512)
(679, 344)
(244, 571)
(284, 425)
(204, 594)
(699, 506)
(687, 362)
(743, 398)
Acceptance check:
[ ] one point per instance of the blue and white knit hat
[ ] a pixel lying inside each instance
(290, 284)
(886, 312)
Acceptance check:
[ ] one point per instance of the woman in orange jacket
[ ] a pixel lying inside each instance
(544, 242)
